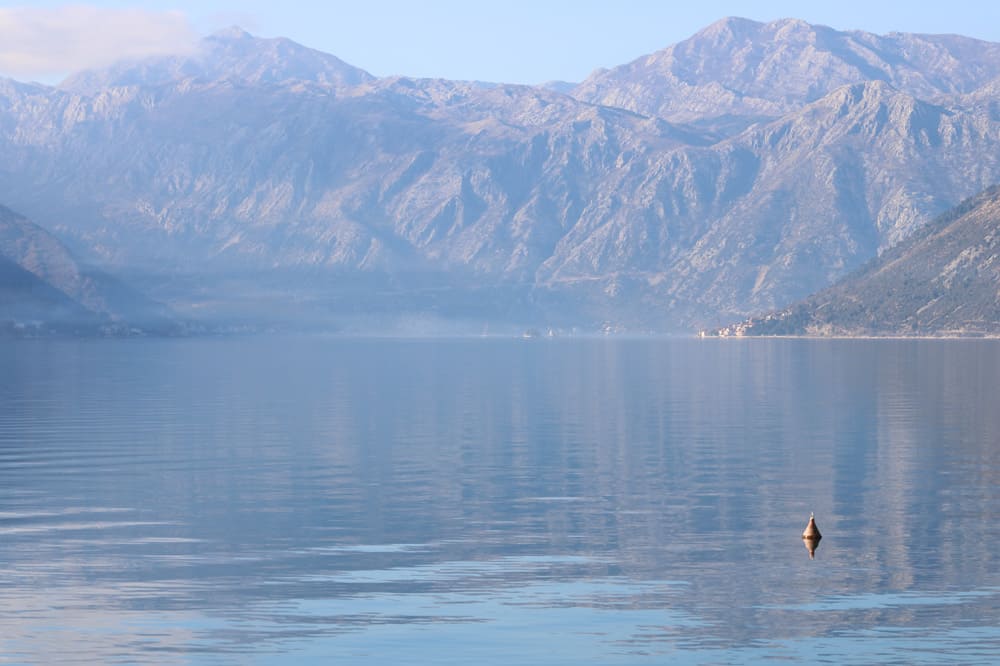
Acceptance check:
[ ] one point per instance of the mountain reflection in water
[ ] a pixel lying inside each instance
(498, 500)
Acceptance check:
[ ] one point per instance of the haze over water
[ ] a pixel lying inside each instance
(498, 501)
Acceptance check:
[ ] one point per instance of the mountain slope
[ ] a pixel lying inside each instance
(40, 281)
(29, 304)
(785, 208)
(945, 280)
(398, 176)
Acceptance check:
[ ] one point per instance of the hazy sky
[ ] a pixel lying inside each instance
(518, 41)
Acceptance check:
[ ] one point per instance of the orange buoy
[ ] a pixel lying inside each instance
(812, 532)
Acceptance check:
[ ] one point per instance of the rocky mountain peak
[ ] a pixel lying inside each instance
(232, 33)
(229, 55)
(735, 30)
(740, 67)
(729, 29)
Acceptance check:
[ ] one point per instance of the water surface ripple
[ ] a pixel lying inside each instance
(498, 501)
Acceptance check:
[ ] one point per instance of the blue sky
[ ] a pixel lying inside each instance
(515, 41)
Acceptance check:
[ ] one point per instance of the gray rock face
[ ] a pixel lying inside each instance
(737, 171)
(943, 280)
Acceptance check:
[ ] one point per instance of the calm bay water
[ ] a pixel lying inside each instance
(499, 501)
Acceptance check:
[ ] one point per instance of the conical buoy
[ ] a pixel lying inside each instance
(812, 532)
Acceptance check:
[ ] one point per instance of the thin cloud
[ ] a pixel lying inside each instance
(45, 44)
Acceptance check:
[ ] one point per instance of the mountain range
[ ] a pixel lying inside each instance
(735, 172)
